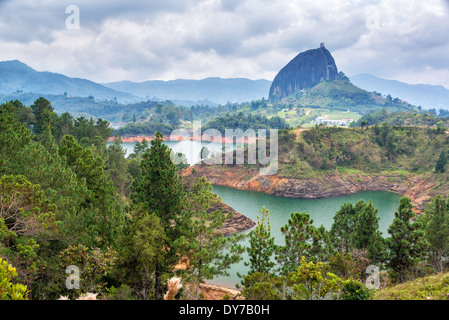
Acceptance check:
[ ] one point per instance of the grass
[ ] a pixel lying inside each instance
(345, 170)
(339, 115)
(435, 287)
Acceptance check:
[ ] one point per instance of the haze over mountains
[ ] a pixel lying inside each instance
(16, 76)
(427, 96)
(217, 90)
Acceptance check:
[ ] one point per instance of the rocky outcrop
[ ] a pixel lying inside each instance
(213, 292)
(236, 223)
(332, 185)
(305, 71)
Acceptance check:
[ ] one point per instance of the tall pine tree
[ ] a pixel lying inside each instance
(208, 252)
(301, 238)
(406, 244)
(441, 162)
(261, 247)
(366, 233)
(437, 232)
(161, 192)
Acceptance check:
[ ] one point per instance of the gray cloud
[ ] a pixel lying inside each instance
(140, 40)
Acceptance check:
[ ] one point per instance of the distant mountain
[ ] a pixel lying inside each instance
(305, 71)
(427, 96)
(216, 90)
(16, 76)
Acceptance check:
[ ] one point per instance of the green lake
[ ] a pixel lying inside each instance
(249, 203)
(321, 211)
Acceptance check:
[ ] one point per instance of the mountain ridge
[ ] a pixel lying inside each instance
(426, 95)
(17, 76)
(216, 89)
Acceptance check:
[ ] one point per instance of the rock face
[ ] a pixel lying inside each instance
(235, 222)
(332, 185)
(305, 71)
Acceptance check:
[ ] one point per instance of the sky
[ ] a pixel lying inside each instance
(106, 41)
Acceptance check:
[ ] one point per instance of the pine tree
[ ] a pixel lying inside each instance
(161, 192)
(342, 229)
(48, 140)
(117, 166)
(104, 219)
(207, 250)
(13, 137)
(441, 162)
(366, 233)
(44, 115)
(261, 247)
(437, 232)
(159, 188)
(300, 237)
(406, 243)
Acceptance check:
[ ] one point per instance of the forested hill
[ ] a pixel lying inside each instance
(343, 95)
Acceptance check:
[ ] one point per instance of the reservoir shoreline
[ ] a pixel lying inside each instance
(334, 184)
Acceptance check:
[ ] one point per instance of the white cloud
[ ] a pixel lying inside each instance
(140, 40)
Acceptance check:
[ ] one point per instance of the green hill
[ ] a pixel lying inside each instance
(343, 95)
(334, 100)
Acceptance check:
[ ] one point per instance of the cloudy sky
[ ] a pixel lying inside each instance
(406, 40)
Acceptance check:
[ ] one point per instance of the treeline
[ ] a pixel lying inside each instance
(67, 200)
(144, 128)
(40, 117)
(402, 118)
(352, 260)
(244, 122)
(166, 117)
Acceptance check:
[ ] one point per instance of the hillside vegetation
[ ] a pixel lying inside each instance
(341, 94)
(370, 150)
(434, 287)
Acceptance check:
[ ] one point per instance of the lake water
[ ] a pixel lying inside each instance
(321, 212)
(191, 149)
(249, 203)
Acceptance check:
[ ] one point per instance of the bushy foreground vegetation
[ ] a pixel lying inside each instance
(126, 224)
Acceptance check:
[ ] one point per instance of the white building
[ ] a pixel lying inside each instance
(342, 122)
